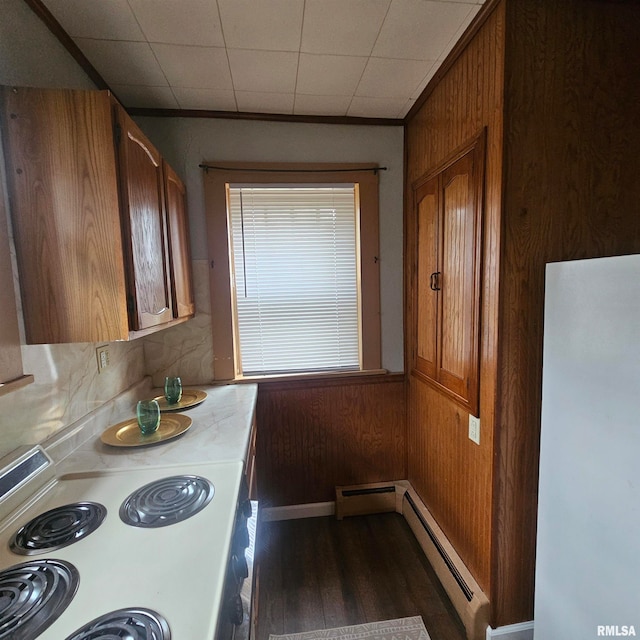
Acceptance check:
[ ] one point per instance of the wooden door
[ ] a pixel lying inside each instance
(448, 207)
(179, 253)
(459, 294)
(427, 324)
(144, 226)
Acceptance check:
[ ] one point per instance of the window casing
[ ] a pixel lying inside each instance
(227, 335)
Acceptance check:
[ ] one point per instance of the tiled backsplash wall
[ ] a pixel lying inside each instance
(185, 350)
(67, 387)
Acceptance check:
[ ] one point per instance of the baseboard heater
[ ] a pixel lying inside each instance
(466, 596)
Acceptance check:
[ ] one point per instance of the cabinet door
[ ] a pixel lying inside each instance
(427, 325)
(179, 254)
(61, 170)
(11, 376)
(144, 227)
(447, 287)
(459, 295)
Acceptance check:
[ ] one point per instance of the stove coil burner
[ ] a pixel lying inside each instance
(166, 501)
(33, 595)
(132, 624)
(58, 528)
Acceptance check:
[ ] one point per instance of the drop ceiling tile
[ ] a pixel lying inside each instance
(321, 105)
(195, 67)
(151, 97)
(263, 71)
(461, 29)
(403, 112)
(121, 62)
(260, 102)
(329, 75)
(273, 25)
(205, 99)
(107, 19)
(419, 29)
(385, 78)
(193, 22)
(376, 107)
(342, 27)
(425, 81)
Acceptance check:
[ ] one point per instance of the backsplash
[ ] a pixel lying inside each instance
(67, 387)
(185, 350)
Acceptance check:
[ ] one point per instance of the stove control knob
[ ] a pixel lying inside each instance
(235, 610)
(241, 540)
(240, 567)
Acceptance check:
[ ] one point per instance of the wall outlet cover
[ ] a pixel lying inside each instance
(102, 354)
(474, 429)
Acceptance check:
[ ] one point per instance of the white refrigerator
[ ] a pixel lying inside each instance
(588, 545)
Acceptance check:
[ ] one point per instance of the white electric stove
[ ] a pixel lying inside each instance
(160, 563)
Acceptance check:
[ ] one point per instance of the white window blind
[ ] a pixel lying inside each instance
(295, 272)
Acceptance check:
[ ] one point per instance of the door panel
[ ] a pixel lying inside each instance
(448, 235)
(179, 254)
(427, 298)
(458, 282)
(141, 174)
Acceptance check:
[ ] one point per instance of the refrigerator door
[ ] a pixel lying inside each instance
(588, 545)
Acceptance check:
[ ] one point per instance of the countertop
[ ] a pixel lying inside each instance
(220, 433)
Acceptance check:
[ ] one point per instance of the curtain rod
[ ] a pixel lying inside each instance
(375, 170)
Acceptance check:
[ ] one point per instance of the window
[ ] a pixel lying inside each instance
(294, 277)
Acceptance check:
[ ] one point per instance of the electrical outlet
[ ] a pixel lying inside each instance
(102, 353)
(474, 429)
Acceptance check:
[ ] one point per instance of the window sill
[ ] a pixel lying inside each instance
(371, 376)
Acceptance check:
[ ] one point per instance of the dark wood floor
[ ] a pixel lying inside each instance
(320, 573)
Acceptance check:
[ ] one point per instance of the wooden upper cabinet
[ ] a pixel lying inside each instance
(182, 295)
(89, 217)
(11, 375)
(448, 214)
(61, 170)
(144, 226)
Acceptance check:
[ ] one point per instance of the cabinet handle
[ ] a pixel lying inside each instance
(433, 281)
(157, 313)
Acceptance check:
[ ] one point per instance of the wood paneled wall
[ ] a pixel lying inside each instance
(316, 435)
(452, 474)
(572, 134)
(556, 85)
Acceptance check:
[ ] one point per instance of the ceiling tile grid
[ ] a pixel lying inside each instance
(360, 58)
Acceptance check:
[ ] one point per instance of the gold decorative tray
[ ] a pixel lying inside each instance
(190, 398)
(128, 434)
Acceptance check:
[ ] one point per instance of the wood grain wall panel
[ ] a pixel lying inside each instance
(456, 500)
(571, 191)
(452, 474)
(314, 436)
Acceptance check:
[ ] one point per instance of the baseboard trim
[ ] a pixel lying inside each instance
(296, 511)
(519, 631)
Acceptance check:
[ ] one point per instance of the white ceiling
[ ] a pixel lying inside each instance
(363, 58)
